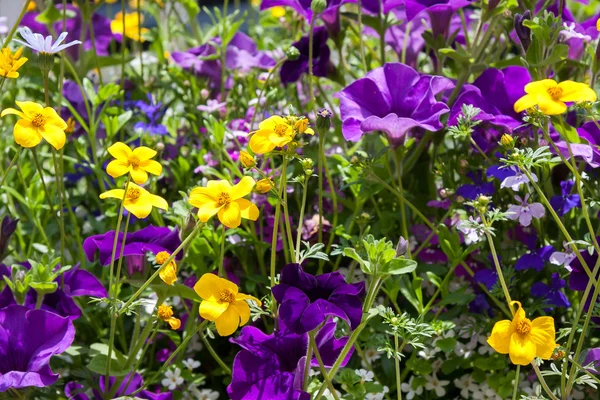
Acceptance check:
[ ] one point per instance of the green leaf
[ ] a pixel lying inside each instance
(177, 289)
(44, 287)
(566, 130)
(408, 291)
(50, 15)
(458, 298)
(559, 53)
(90, 91)
(446, 345)
(98, 365)
(399, 266)
(365, 266)
(434, 278)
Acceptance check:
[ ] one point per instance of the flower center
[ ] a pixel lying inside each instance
(281, 129)
(223, 199)
(524, 326)
(165, 312)
(38, 121)
(555, 92)
(162, 257)
(133, 194)
(134, 161)
(227, 296)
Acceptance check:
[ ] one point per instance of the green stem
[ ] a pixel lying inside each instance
(286, 222)
(46, 193)
(397, 367)
(543, 382)
(39, 300)
(223, 47)
(262, 91)
(309, 353)
(363, 59)
(313, 344)
(61, 207)
(222, 272)
(214, 354)
(282, 187)
(516, 383)
(300, 224)
(497, 263)
(12, 162)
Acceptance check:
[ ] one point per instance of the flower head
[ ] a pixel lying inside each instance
(169, 272)
(137, 162)
(523, 339)
(10, 63)
(525, 211)
(37, 122)
(165, 313)
(42, 44)
(247, 159)
(219, 197)
(550, 96)
(222, 303)
(137, 200)
(131, 29)
(172, 379)
(273, 132)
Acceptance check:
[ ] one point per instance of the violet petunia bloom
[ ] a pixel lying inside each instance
(291, 70)
(394, 99)
(28, 339)
(525, 211)
(552, 293)
(537, 259)
(593, 357)
(563, 203)
(439, 11)
(303, 7)
(75, 390)
(272, 366)
(479, 187)
(7, 228)
(151, 239)
(307, 301)
(591, 133)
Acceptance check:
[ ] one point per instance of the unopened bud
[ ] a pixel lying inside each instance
(401, 247)
(204, 93)
(160, 146)
(483, 200)
(318, 6)
(70, 126)
(264, 186)
(292, 53)
(247, 160)
(323, 120)
(523, 32)
(507, 141)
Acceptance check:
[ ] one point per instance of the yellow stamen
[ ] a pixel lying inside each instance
(555, 92)
(133, 194)
(223, 199)
(227, 296)
(38, 121)
(524, 326)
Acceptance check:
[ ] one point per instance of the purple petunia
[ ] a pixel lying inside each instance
(272, 366)
(563, 203)
(552, 293)
(75, 390)
(394, 99)
(291, 70)
(28, 339)
(307, 300)
(525, 211)
(439, 12)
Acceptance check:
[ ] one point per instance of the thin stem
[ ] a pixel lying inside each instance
(61, 219)
(222, 272)
(543, 382)
(46, 193)
(286, 222)
(313, 344)
(39, 300)
(262, 91)
(397, 367)
(123, 48)
(516, 383)
(497, 264)
(360, 37)
(214, 354)
(309, 353)
(223, 47)
(282, 186)
(300, 224)
(116, 239)
(12, 162)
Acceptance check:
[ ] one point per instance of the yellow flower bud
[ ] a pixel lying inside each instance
(507, 141)
(169, 272)
(247, 160)
(165, 313)
(264, 186)
(70, 126)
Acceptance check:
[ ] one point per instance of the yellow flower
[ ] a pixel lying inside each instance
(301, 126)
(598, 25)
(36, 123)
(219, 197)
(272, 132)
(277, 11)
(165, 313)
(169, 273)
(132, 26)
(137, 162)
(70, 126)
(523, 339)
(247, 160)
(10, 63)
(138, 201)
(31, 6)
(222, 303)
(264, 186)
(550, 97)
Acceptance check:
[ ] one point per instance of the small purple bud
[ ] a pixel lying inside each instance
(523, 32)
(401, 247)
(7, 228)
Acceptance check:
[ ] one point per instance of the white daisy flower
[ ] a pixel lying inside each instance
(408, 389)
(41, 44)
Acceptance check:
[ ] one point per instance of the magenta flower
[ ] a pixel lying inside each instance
(524, 211)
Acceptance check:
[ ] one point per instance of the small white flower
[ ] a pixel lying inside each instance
(205, 394)
(172, 379)
(408, 388)
(41, 44)
(371, 354)
(427, 353)
(374, 396)
(485, 392)
(570, 33)
(462, 350)
(327, 394)
(433, 383)
(365, 376)
(436, 364)
(466, 384)
(484, 347)
(191, 364)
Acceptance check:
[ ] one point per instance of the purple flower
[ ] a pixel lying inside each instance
(593, 357)
(563, 258)
(535, 259)
(212, 106)
(190, 60)
(7, 228)
(243, 54)
(150, 239)
(28, 339)
(486, 277)
(578, 279)
(510, 176)
(439, 12)
(272, 366)
(552, 293)
(524, 212)
(471, 230)
(394, 99)
(75, 390)
(292, 70)
(480, 187)
(590, 132)
(306, 301)
(154, 112)
(566, 201)
(302, 7)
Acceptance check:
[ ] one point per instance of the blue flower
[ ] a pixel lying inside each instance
(154, 112)
(536, 259)
(552, 293)
(566, 201)
(480, 187)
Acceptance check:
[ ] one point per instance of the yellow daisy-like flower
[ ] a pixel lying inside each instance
(523, 339)
(137, 162)
(37, 122)
(132, 26)
(272, 132)
(550, 96)
(169, 273)
(138, 200)
(222, 303)
(165, 313)
(219, 197)
(10, 63)
(598, 25)
(277, 11)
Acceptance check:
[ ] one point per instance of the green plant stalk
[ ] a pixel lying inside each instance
(157, 272)
(223, 47)
(222, 272)
(516, 383)
(61, 207)
(262, 91)
(46, 193)
(139, 361)
(116, 240)
(123, 48)
(543, 382)
(397, 368)
(282, 184)
(309, 353)
(363, 59)
(88, 15)
(39, 300)
(12, 162)
(313, 344)
(497, 264)
(214, 354)
(300, 223)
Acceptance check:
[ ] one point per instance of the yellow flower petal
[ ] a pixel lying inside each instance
(13, 111)
(52, 118)
(210, 287)
(260, 143)
(158, 201)
(152, 167)
(279, 141)
(25, 134)
(228, 322)
(242, 188)
(540, 86)
(207, 210)
(169, 273)
(117, 168)
(141, 209)
(551, 107)
(138, 175)
(113, 194)
(144, 153)
(525, 102)
(120, 151)
(201, 195)
(54, 135)
(248, 210)
(243, 310)
(230, 215)
(211, 310)
(242, 296)
(175, 323)
(543, 335)
(575, 91)
(500, 337)
(522, 349)
(30, 108)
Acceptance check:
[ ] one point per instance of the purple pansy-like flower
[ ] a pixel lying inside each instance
(552, 293)
(479, 187)
(75, 390)
(272, 366)
(291, 70)
(307, 300)
(154, 112)
(566, 201)
(394, 99)
(536, 259)
(525, 211)
(151, 239)
(28, 339)
(439, 12)
(593, 357)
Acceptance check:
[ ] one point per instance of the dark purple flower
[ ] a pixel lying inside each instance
(537, 259)
(75, 390)
(480, 305)
(486, 277)
(154, 113)
(432, 255)
(439, 12)
(292, 70)
(566, 201)
(394, 99)
(151, 239)
(578, 279)
(272, 366)
(413, 45)
(552, 293)
(306, 301)
(522, 31)
(7, 228)
(28, 339)
(374, 6)
(593, 356)
(479, 187)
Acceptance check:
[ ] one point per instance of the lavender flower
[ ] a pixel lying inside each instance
(563, 258)
(471, 229)
(515, 181)
(552, 293)
(524, 212)
(154, 112)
